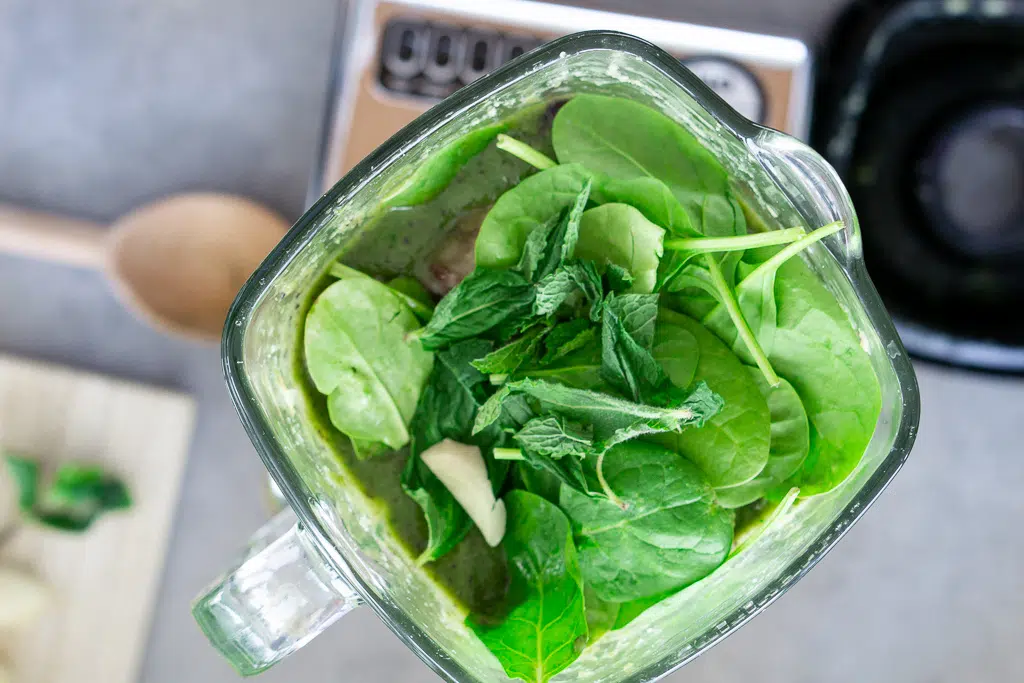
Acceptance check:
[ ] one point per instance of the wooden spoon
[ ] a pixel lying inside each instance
(178, 262)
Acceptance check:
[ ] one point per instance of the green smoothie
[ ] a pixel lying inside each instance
(577, 375)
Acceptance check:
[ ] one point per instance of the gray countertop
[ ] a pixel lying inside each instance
(105, 104)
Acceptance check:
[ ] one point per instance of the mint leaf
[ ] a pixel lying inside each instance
(619, 279)
(552, 291)
(610, 416)
(627, 366)
(638, 313)
(478, 304)
(567, 337)
(505, 360)
(556, 437)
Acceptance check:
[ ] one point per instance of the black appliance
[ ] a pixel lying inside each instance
(920, 107)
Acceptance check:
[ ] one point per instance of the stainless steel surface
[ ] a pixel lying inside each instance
(109, 103)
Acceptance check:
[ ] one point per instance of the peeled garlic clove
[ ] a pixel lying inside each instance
(462, 470)
(23, 597)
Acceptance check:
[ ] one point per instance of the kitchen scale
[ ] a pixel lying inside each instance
(394, 59)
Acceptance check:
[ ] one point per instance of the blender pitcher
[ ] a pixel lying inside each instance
(331, 553)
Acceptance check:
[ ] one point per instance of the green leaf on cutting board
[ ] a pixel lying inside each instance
(74, 498)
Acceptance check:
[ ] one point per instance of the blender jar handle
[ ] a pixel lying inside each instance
(277, 598)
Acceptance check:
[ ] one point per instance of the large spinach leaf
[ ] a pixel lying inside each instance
(546, 628)
(788, 445)
(670, 533)
(755, 296)
(359, 354)
(819, 351)
(620, 139)
(433, 176)
(677, 352)
(732, 448)
(518, 212)
(446, 410)
(619, 234)
(601, 614)
(483, 301)
(652, 198)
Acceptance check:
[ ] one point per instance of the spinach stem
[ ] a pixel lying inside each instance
(525, 152)
(508, 454)
(735, 242)
(796, 247)
(604, 482)
(733, 309)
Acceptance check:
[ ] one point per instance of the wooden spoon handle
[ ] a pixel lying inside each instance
(52, 238)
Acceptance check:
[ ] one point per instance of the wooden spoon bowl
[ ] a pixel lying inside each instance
(178, 262)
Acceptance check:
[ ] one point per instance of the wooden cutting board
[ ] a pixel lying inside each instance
(105, 580)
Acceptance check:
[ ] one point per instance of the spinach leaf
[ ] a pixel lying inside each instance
(505, 360)
(540, 482)
(652, 198)
(433, 176)
(614, 419)
(447, 407)
(477, 305)
(628, 611)
(669, 535)
(819, 351)
(732, 447)
(555, 437)
(75, 498)
(619, 234)
(621, 139)
(407, 289)
(525, 208)
(414, 295)
(601, 615)
(359, 354)
(626, 364)
(788, 445)
(677, 351)
(546, 629)
(755, 295)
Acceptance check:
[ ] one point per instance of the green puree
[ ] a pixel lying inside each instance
(473, 573)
